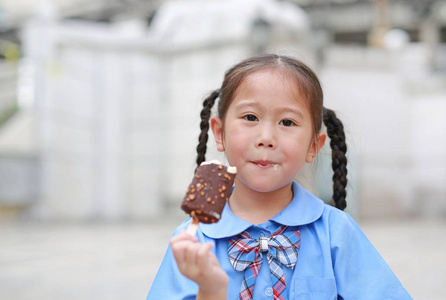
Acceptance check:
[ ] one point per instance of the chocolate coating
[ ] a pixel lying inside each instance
(206, 196)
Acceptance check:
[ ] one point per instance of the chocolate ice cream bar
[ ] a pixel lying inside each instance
(206, 196)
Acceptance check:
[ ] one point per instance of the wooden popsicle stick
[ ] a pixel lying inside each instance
(193, 226)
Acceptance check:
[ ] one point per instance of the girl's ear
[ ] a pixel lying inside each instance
(316, 146)
(217, 130)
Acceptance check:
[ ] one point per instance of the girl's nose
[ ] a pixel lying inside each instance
(266, 138)
(266, 145)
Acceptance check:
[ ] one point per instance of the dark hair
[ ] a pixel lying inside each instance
(308, 85)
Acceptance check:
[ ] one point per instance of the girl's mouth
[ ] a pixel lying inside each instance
(266, 164)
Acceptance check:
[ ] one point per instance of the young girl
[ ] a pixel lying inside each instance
(275, 240)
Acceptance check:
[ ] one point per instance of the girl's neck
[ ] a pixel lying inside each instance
(258, 207)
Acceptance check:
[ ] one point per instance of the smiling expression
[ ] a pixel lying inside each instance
(267, 131)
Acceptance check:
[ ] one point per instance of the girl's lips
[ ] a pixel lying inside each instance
(266, 164)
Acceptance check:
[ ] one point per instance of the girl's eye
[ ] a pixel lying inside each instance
(250, 118)
(287, 123)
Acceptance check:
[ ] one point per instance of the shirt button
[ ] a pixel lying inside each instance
(269, 291)
(263, 234)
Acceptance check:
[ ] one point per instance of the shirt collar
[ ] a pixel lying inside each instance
(304, 208)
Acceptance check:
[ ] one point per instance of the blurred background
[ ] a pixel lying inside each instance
(99, 118)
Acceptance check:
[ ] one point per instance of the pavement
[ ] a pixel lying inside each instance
(119, 261)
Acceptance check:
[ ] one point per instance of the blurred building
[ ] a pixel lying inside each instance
(116, 106)
(110, 98)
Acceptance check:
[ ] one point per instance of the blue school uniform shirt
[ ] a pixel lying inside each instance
(336, 260)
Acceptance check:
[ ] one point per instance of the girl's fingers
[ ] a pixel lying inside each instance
(190, 253)
(203, 254)
(183, 236)
(181, 240)
(195, 252)
(179, 244)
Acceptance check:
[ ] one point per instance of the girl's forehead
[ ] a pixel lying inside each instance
(274, 81)
(270, 78)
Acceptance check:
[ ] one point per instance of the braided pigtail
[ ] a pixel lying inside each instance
(335, 131)
(205, 115)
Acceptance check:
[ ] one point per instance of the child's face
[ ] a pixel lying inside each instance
(267, 132)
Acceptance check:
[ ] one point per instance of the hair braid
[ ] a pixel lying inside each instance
(335, 131)
(205, 115)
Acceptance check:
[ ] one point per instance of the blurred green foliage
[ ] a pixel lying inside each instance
(8, 113)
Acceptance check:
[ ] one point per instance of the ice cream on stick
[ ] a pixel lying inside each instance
(208, 192)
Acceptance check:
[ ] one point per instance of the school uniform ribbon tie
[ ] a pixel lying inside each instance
(246, 254)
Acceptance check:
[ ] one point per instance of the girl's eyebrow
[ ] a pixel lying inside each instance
(291, 110)
(247, 104)
(286, 109)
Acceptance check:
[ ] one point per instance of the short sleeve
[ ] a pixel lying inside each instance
(169, 283)
(360, 271)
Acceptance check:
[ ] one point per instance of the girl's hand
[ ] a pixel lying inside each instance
(197, 262)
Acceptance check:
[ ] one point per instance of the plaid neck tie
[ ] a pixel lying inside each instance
(246, 254)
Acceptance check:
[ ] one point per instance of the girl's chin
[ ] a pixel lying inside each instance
(265, 186)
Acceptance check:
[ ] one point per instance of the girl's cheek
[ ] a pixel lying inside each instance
(235, 148)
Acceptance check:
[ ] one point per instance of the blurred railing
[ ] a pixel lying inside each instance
(19, 184)
(18, 170)
(8, 90)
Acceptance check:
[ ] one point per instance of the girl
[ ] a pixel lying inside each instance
(275, 240)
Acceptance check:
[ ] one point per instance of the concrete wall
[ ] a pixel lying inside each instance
(393, 108)
(117, 112)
